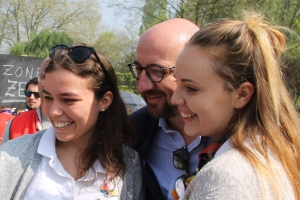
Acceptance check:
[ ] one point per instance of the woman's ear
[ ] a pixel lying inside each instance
(106, 100)
(244, 93)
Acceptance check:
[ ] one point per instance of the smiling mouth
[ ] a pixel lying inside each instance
(62, 124)
(153, 96)
(185, 115)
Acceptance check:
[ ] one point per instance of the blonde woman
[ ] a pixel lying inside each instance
(230, 86)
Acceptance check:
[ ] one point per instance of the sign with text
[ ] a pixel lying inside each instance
(15, 72)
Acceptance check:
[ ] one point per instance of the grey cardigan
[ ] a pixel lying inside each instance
(19, 161)
(231, 177)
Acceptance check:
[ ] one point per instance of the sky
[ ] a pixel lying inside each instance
(109, 18)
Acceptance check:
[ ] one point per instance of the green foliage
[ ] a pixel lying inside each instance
(41, 44)
(126, 82)
(153, 13)
(18, 49)
(118, 48)
(111, 45)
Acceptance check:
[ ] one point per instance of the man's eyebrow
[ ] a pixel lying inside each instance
(136, 62)
(153, 64)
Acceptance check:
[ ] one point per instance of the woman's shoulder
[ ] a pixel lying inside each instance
(24, 144)
(228, 176)
(132, 186)
(231, 164)
(130, 156)
(232, 176)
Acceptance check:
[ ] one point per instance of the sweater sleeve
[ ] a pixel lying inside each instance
(133, 187)
(6, 132)
(18, 162)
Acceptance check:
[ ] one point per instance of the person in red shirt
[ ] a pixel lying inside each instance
(5, 116)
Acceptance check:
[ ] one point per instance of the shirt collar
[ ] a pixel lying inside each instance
(38, 112)
(164, 125)
(225, 147)
(47, 144)
(47, 148)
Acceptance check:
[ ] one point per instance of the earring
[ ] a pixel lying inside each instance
(103, 109)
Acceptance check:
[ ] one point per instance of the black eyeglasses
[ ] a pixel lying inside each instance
(29, 93)
(154, 72)
(181, 159)
(78, 54)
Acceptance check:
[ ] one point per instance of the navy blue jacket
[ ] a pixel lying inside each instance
(145, 128)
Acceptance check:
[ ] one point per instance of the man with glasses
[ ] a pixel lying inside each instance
(33, 120)
(32, 95)
(166, 150)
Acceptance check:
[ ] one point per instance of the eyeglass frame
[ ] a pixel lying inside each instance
(187, 160)
(28, 93)
(69, 49)
(147, 72)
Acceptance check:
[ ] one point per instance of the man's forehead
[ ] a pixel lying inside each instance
(161, 58)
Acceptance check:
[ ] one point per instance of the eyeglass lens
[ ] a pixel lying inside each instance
(79, 54)
(55, 48)
(154, 73)
(29, 93)
(181, 158)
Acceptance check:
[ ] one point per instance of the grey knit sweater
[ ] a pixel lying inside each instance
(19, 161)
(231, 177)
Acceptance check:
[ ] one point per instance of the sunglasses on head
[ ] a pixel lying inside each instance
(29, 93)
(181, 159)
(78, 54)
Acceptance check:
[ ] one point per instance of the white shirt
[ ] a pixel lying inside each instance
(51, 181)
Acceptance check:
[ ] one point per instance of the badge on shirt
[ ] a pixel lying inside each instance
(107, 192)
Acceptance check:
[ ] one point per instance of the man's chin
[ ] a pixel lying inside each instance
(31, 107)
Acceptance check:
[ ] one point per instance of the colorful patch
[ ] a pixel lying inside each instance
(107, 192)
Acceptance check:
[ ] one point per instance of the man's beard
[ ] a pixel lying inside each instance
(166, 111)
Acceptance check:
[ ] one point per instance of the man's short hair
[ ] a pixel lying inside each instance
(33, 81)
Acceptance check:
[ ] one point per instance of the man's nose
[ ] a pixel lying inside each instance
(144, 83)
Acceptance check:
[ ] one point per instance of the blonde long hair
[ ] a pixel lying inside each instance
(250, 51)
